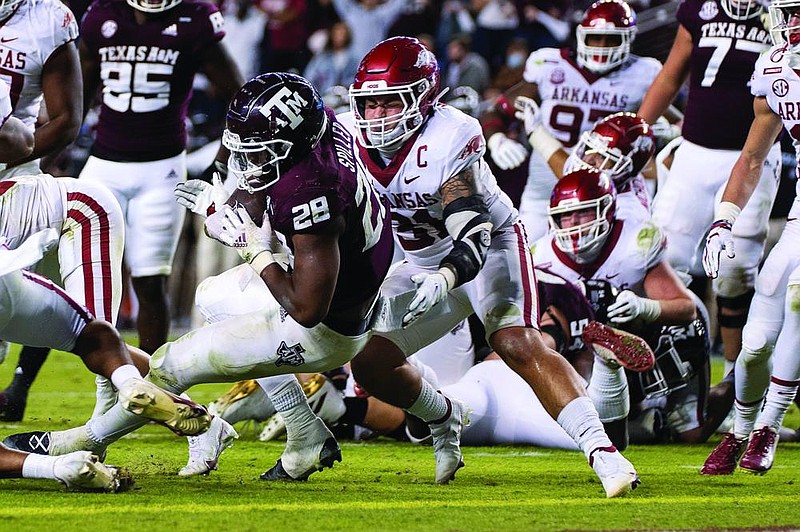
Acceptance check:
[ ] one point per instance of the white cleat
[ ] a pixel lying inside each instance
(614, 471)
(245, 400)
(83, 471)
(274, 428)
(182, 416)
(204, 450)
(447, 442)
(314, 449)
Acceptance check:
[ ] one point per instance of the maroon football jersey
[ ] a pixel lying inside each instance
(311, 195)
(146, 73)
(556, 291)
(719, 108)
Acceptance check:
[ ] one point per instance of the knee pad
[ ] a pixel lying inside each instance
(735, 282)
(755, 346)
(739, 305)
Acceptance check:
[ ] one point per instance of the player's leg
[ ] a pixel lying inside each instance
(80, 471)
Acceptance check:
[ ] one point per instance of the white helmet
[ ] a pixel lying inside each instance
(784, 18)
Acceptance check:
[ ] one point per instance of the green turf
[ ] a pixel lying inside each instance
(381, 485)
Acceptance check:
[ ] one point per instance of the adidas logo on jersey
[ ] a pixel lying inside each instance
(172, 29)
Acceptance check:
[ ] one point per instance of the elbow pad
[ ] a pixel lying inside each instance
(467, 221)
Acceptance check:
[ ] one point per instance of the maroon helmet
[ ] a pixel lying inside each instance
(581, 212)
(273, 122)
(400, 66)
(613, 18)
(619, 145)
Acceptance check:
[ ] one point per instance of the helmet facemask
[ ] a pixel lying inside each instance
(7, 7)
(602, 59)
(153, 6)
(389, 132)
(255, 163)
(584, 240)
(741, 9)
(670, 373)
(784, 16)
(593, 151)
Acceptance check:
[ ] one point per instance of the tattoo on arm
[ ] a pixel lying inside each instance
(461, 185)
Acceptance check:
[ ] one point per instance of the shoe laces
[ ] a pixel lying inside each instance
(763, 438)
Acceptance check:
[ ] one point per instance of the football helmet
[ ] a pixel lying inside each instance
(402, 67)
(613, 19)
(581, 212)
(273, 122)
(784, 19)
(619, 145)
(153, 6)
(7, 7)
(741, 9)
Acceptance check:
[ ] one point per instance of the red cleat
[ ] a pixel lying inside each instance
(618, 347)
(722, 460)
(760, 452)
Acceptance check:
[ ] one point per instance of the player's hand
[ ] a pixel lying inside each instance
(200, 197)
(629, 306)
(506, 153)
(719, 237)
(239, 231)
(528, 113)
(432, 288)
(29, 252)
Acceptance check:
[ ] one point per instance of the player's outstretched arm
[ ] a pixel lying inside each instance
(506, 152)
(670, 80)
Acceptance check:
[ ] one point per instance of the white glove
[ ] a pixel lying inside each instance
(719, 237)
(29, 252)
(238, 230)
(528, 113)
(506, 153)
(629, 306)
(200, 197)
(431, 289)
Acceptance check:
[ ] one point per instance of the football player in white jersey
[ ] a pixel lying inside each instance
(465, 252)
(40, 64)
(769, 360)
(574, 89)
(715, 48)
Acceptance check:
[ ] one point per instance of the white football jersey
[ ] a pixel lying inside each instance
(448, 143)
(5, 102)
(632, 249)
(30, 204)
(27, 39)
(775, 77)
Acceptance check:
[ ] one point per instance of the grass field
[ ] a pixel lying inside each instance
(382, 485)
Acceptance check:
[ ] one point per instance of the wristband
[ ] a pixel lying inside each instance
(543, 142)
(261, 261)
(727, 211)
(449, 277)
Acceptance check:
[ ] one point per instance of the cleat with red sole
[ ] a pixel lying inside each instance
(619, 347)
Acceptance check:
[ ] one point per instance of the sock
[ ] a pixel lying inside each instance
(608, 390)
(123, 373)
(780, 395)
(430, 405)
(745, 419)
(355, 410)
(39, 466)
(290, 402)
(113, 425)
(579, 419)
(30, 362)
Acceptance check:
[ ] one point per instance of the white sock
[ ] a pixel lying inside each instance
(745, 419)
(430, 405)
(780, 396)
(608, 390)
(290, 402)
(124, 373)
(113, 425)
(39, 466)
(580, 420)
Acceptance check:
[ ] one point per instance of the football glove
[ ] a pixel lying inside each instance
(506, 153)
(528, 113)
(629, 306)
(432, 288)
(719, 238)
(201, 197)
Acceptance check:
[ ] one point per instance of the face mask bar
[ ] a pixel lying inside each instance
(670, 372)
(150, 6)
(386, 131)
(601, 59)
(584, 237)
(255, 163)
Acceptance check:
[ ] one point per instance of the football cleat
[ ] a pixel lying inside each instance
(760, 452)
(314, 450)
(182, 416)
(618, 348)
(12, 405)
(722, 460)
(55, 443)
(447, 442)
(204, 450)
(36, 442)
(83, 471)
(615, 472)
(243, 401)
(324, 399)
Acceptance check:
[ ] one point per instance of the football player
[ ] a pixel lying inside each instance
(465, 251)
(716, 46)
(300, 180)
(40, 63)
(144, 54)
(768, 360)
(575, 88)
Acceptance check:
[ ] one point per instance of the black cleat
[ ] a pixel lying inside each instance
(36, 442)
(329, 454)
(12, 406)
